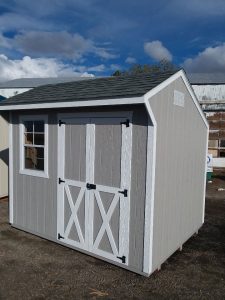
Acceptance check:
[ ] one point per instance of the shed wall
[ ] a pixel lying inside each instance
(180, 171)
(4, 154)
(35, 199)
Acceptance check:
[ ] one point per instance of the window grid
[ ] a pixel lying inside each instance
(34, 148)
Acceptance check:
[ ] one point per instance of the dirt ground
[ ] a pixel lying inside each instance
(33, 268)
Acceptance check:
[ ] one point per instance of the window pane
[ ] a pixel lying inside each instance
(28, 126)
(222, 143)
(213, 143)
(40, 164)
(39, 126)
(30, 157)
(40, 153)
(28, 138)
(39, 139)
(222, 153)
(213, 152)
(34, 158)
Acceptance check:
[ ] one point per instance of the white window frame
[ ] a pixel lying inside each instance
(36, 173)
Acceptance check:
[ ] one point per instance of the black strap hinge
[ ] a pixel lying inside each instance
(60, 180)
(124, 192)
(123, 258)
(91, 186)
(60, 237)
(61, 122)
(127, 123)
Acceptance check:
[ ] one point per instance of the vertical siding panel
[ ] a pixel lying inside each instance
(138, 179)
(180, 168)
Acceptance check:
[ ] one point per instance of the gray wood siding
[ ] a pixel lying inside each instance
(35, 199)
(108, 142)
(180, 171)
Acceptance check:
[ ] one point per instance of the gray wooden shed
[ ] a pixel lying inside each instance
(112, 167)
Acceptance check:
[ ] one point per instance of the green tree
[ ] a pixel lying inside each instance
(161, 67)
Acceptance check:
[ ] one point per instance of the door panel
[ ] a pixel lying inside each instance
(108, 141)
(72, 190)
(107, 220)
(95, 151)
(75, 151)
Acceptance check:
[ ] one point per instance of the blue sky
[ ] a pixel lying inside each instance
(82, 37)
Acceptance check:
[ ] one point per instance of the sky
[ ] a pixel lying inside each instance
(63, 38)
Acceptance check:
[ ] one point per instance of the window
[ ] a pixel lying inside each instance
(217, 148)
(222, 148)
(33, 149)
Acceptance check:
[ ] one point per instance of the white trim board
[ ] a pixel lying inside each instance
(150, 191)
(88, 103)
(206, 167)
(10, 169)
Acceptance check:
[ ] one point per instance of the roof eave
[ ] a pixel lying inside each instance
(88, 103)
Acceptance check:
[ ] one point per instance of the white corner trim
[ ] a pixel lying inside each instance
(22, 170)
(150, 190)
(11, 217)
(205, 177)
(89, 103)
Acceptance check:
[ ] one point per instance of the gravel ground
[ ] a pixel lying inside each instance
(33, 268)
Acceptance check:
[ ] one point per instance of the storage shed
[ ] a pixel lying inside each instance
(113, 167)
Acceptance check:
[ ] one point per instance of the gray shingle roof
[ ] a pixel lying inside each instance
(34, 82)
(95, 89)
(206, 78)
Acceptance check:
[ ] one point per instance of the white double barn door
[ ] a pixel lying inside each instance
(94, 156)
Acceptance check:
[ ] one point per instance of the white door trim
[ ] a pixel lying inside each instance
(126, 157)
(60, 174)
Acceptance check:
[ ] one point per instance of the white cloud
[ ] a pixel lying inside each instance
(115, 67)
(157, 51)
(38, 67)
(98, 68)
(62, 45)
(212, 59)
(130, 60)
(104, 53)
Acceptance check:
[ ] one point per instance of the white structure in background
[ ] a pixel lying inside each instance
(210, 91)
(21, 85)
